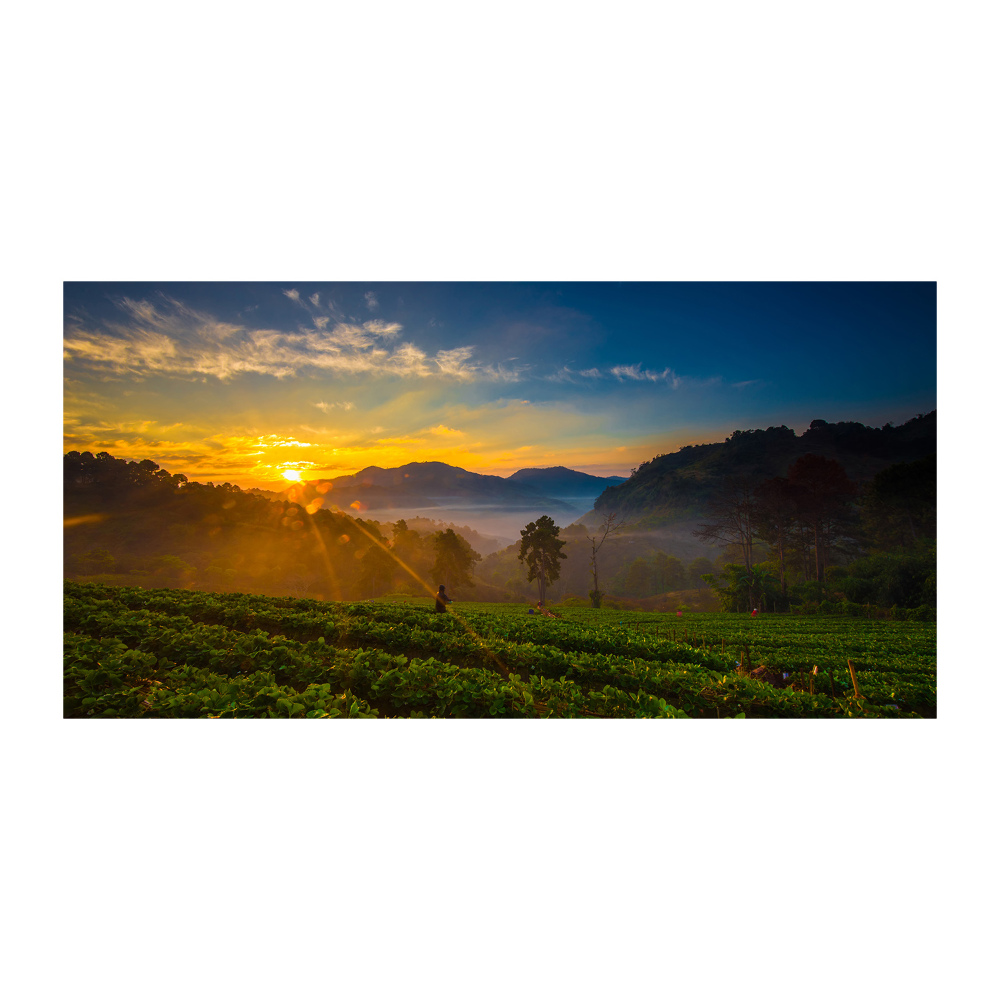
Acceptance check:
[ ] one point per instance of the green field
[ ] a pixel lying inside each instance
(135, 653)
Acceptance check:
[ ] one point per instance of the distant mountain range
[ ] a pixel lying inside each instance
(561, 482)
(427, 485)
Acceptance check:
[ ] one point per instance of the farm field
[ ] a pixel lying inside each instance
(135, 653)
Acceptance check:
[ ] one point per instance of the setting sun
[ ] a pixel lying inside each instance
(292, 475)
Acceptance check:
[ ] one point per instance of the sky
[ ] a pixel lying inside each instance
(259, 384)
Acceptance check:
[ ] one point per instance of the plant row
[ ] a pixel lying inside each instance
(382, 659)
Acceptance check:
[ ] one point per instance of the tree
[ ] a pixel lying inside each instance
(775, 517)
(455, 559)
(899, 506)
(636, 578)
(733, 512)
(413, 557)
(759, 583)
(375, 570)
(540, 550)
(697, 569)
(668, 573)
(822, 495)
(609, 526)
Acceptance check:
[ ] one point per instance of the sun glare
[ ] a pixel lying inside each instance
(292, 475)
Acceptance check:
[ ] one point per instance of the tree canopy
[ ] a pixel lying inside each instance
(455, 560)
(541, 551)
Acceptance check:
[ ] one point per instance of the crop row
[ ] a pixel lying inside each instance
(498, 675)
(106, 677)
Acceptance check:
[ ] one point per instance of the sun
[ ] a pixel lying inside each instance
(292, 475)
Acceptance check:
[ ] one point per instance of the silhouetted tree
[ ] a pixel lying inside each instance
(376, 570)
(540, 550)
(733, 513)
(775, 518)
(822, 496)
(899, 506)
(455, 559)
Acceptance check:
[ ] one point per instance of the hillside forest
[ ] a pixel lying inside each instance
(843, 516)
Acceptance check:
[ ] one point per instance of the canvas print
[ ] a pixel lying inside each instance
(382, 500)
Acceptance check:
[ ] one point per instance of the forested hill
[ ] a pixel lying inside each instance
(675, 487)
(132, 523)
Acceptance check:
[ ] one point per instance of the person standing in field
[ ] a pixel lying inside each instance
(441, 599)
(753, 614)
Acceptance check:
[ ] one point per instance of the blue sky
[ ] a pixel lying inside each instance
(258, 383)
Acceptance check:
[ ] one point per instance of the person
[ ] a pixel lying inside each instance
(441, 599)
(753, 614)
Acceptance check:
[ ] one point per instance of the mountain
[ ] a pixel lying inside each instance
(494, 505)
(562, 482)
(430, 485)
(673, 488)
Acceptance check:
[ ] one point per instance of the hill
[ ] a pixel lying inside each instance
(673, 488)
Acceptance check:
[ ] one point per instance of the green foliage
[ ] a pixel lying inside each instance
(907, 579)
(899, 506)
(133, 653)
(454, 560)
(541, 550)
(740, 590)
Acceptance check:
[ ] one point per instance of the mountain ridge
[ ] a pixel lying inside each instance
(427, 484)
(673, 487)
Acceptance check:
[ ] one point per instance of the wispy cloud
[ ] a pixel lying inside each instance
(169, 338)
(327, 407)
(639, 374)
(567, 374)
(371, 301)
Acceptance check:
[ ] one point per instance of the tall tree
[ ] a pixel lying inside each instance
(609, 526)
(823, 494)
(775, 517)
(899, 506)
(540, 551)
(454, 561)
(733, 513)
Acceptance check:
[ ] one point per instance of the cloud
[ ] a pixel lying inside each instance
(442, 431)
(380, 328)
(567, 374)
(371, 301)
(314, 299)
(170, 339)
(327, 407)
(639, 374)
(453, 362)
